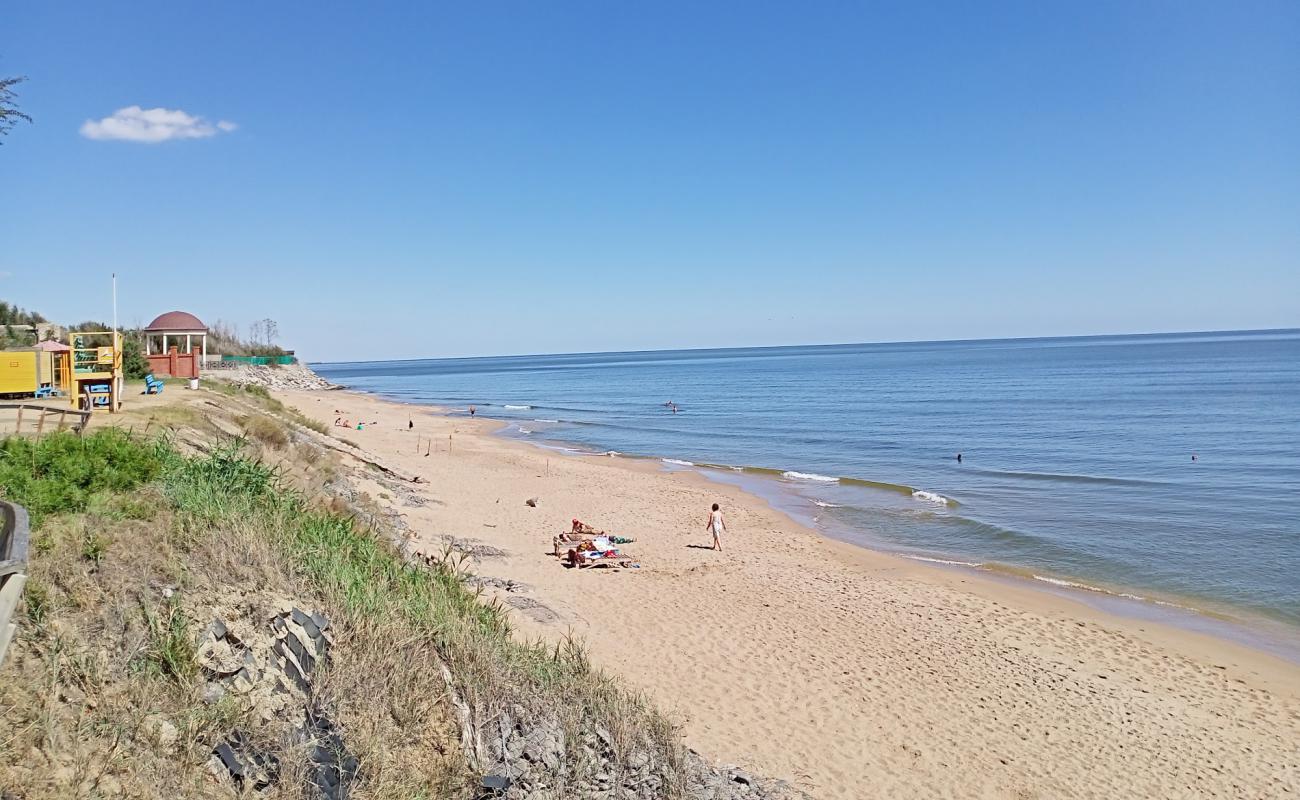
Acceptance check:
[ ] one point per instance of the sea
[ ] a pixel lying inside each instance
(1159, 471)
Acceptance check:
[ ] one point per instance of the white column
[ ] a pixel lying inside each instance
(165, 344)
(203, 343)
(148, 344)
(188, 351)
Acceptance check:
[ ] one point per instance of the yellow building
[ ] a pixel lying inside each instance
(28, 372)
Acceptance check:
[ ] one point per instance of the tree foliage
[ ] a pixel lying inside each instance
(11, 314)
(9, 113)
(134, 365)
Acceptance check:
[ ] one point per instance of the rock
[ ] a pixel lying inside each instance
(163, 733)
(213, 692)
(531, 502)
(496, 783)
(740, 776)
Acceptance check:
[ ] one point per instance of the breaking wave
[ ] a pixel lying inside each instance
(809, 476)
(931, 497)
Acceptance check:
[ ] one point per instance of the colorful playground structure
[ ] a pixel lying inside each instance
(95, 371)
(88, 371)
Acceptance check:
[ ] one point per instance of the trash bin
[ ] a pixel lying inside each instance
(194, 383)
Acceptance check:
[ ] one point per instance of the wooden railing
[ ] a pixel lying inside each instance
(28, 419)
(14, 534)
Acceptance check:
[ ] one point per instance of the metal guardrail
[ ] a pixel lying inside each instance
(15, 532)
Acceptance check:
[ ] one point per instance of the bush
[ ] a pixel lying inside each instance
(266, 430)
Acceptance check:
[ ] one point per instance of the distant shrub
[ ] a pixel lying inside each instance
(266, 430)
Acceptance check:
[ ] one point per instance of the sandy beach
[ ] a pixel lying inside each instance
(849, 672)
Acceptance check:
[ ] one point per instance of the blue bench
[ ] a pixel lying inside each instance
(152, 385)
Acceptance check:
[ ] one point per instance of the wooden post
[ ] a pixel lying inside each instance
(18, 426)
(40, 423)
(63, 418)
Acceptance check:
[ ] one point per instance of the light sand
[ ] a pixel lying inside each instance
(852, 673)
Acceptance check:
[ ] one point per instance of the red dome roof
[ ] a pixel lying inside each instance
(176, 321)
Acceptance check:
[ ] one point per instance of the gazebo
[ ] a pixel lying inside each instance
(162, 339)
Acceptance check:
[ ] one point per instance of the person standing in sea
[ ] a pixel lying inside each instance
(717, 524)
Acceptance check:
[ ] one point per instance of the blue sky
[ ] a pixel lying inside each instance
(406, 180)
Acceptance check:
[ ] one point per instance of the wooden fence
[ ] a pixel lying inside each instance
(27, 419)
(14, 534)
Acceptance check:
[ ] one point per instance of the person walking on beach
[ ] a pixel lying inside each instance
(471, 411)
(716, 524)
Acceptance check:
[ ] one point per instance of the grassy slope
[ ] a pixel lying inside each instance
(105, 657)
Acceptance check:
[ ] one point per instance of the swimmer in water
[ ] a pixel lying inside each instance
(959, 458)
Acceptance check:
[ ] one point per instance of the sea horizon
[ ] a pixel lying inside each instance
(986, 339)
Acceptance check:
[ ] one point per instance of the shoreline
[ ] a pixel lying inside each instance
(1230, 624)
(900, 651)
(1240, 626)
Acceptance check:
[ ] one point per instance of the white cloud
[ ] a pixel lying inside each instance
(152, 125)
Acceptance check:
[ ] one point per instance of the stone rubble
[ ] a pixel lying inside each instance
(529, 759)
(286, 377)
(268, 661)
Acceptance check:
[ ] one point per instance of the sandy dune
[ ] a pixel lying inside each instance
(852, 673)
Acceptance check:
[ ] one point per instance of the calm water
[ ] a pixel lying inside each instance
(1077, 452)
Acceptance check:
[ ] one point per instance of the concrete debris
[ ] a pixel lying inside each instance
(268, 660)
(247, 764)
(331, 768)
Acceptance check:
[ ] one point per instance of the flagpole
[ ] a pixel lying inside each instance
(117, 354)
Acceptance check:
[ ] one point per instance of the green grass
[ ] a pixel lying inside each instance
(169, 648)
(62, 472)
(93, 546)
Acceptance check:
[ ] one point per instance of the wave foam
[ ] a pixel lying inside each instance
(525, 431)
(930, 497)
(546, 420)
(809, 476)
(943, 561)
(517, 408)
(678, 462)
(827, 505)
